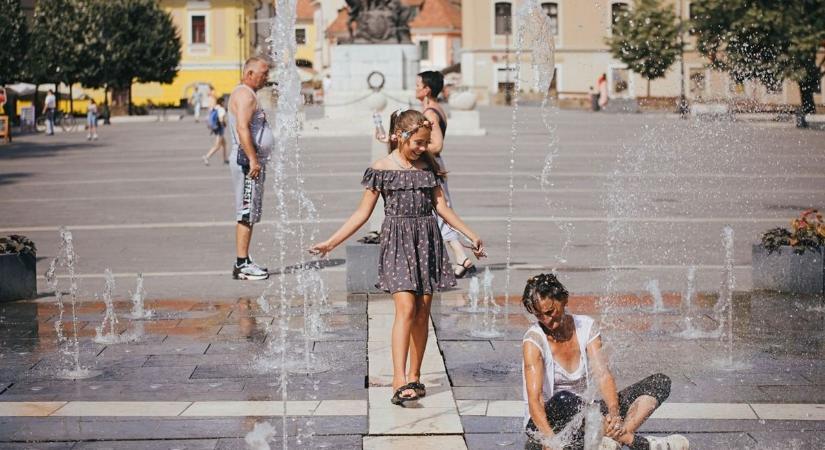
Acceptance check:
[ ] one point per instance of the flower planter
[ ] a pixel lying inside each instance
(18, 276)
(786, 271)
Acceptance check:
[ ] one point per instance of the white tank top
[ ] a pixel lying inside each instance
(555, 377)
(259, 126)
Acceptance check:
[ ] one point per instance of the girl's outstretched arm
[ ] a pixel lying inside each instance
(356, 221)
(454, 221)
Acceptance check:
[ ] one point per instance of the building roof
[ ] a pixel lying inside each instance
(438, 14)
(434, 14)
(305, 10)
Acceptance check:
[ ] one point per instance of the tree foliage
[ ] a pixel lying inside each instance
(646, 38)
(765, 40)
(56, 52)
(14, 37)
(132, 41)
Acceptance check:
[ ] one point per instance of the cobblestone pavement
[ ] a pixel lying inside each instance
(206, 367)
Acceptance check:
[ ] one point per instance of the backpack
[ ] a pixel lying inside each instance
(212, 120)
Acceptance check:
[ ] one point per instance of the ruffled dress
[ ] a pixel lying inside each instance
(413, 256)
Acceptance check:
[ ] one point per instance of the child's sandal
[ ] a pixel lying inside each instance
(419, 388)
(398, 399)
(463, 269)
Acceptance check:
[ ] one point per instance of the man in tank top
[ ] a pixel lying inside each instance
(251, 143)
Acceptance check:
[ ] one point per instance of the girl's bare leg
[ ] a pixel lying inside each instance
(418, 335)
(405, 306)
(458, 251)
(223, 149)
(638, 412)
(214, 148)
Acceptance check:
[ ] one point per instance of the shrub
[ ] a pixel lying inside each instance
(807, 233)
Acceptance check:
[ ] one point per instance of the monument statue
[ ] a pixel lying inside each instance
(379, 21)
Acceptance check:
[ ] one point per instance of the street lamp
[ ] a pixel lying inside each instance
(682, 107)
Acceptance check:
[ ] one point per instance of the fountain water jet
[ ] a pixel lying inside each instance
(488, 325)
(70, 346)
(139, 311)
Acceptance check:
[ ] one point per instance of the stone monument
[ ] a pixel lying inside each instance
(378, 59)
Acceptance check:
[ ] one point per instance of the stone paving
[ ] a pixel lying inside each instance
(203, 371)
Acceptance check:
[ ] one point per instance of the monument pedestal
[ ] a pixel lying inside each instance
(347, 107)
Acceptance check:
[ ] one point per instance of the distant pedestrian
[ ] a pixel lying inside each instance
(593, 97)
(428, 86)
(49, 107)
(197, 102)
(91, 120)
(216, 121)
(326, 84)
(252, 141)
(602, 85)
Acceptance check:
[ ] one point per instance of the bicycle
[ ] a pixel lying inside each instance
(66, 122)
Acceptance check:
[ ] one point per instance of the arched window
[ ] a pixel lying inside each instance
(552, 11)
(504, 18)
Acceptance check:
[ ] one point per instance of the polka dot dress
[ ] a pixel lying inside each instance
(413, 256)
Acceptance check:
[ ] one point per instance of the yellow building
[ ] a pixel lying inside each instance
(216, 37)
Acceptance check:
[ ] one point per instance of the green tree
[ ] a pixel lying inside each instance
(765, 40)
(646, 38)
(131, 41)
(14, 37)
(56, 54)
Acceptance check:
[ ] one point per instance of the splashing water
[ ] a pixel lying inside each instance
(259, 437)
(110, 320)
(652, 286)
(473, 295)
(534, 35)
(70, 346)
(139, 311)
(488, 324)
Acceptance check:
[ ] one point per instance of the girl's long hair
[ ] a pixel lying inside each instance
(410, 121)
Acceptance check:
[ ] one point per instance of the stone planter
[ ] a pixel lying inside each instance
(362, 268)
(18, 276)
(785, 271)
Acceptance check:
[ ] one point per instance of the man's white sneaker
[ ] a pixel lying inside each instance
(205, 160)
(94, 137)
(88, 137)
(249, 271)
(672, 442)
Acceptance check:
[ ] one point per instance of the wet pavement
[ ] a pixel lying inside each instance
(206, 368)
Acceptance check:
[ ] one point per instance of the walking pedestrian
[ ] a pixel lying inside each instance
(216, 121)
(197, 102)
(49, 107)
(252, 141)
(413, 263)
(428, 86)
(602, 85)
(91, 120)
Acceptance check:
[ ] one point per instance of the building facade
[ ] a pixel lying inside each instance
(580, 29)
(217, 36)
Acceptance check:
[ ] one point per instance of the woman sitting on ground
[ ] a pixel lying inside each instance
(562, 356)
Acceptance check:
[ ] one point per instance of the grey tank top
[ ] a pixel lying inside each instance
(261, 132)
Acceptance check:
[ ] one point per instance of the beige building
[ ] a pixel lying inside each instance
(580, 28)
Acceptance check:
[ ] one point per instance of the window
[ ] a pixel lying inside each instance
(199, 29)
(697, 83)
(617, 10)
(300, 36)
(552, 11)
(692, 15)
(424, 46)
(504, 19)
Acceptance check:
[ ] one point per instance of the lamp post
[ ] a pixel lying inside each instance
(508, 28)
(682, 107)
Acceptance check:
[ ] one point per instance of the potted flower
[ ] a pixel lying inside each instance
(18, 274)
(792, 260)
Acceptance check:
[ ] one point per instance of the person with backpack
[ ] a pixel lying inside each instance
(216, 122)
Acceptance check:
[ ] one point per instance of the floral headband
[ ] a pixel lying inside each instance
(424, 123)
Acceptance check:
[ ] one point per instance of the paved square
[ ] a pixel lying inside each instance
(628, 199)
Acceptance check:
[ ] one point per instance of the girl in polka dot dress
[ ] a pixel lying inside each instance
(413, 263)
